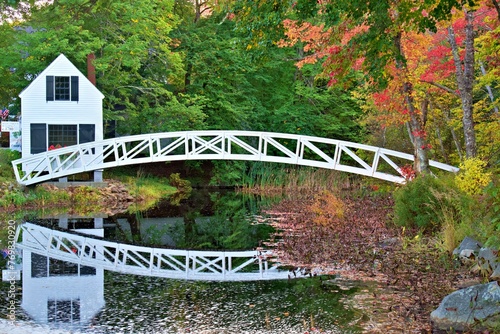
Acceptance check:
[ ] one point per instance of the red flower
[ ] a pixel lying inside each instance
(52, 147)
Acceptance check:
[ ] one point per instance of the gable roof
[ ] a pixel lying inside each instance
(60, 60)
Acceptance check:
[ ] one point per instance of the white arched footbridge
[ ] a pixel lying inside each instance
(326, 153)
(148, 261)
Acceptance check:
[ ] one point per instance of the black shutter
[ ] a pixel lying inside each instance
(49, 87)
(86, 133)
(74, 88)
(38, 134)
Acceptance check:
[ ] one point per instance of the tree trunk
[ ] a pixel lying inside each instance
(488, 88)
(453, 134)
(135, 227)
(408, 130)
(441, 146)
(497, 7)
(197, 9)
(189, 229)
(465, 81)
(421, 163)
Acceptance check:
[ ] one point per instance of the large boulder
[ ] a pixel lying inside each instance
(468, 308)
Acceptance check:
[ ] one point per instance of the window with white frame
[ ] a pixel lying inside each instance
(51, 136)
(62, 135)
(62, 88)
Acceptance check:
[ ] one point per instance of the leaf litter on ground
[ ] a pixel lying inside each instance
(412, 275)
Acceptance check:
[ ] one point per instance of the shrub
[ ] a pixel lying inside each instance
(412, 203)
(13, 197)
(227, 173)
(6, 157)
(473, 177)
(427, 202)
(457, 212)
(490, 227)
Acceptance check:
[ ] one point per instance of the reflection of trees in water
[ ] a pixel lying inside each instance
(189, 227)
(134, 221)
(135, 226)
(210, 220)
(228, 226)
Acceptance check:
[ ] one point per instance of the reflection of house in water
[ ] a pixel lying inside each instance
(61, 293)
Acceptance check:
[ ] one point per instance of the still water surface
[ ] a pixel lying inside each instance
(83, 299)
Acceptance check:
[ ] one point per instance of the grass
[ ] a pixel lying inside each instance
(147, 190)
(285, 179)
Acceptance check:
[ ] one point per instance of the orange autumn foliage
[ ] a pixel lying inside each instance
(314, 39)
(326, 208)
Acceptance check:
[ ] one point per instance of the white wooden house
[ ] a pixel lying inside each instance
(61, 107)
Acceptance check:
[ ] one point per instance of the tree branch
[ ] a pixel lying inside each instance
(448, 89)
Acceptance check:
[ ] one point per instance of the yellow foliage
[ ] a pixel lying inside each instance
(488, 136)
(326, 207)
(472, 177)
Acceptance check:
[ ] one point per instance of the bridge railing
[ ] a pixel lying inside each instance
(218, 145)
(148, 261)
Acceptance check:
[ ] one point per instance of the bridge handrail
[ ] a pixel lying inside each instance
(213, 144)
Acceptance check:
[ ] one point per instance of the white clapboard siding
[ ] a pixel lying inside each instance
(35, 108)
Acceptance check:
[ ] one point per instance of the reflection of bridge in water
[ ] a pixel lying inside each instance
(148, 261)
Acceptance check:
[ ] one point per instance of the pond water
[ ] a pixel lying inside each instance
(63, 296)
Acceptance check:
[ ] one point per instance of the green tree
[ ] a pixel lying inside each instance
(315, 110)
(217, 69)
(6, 92)
(134, 63)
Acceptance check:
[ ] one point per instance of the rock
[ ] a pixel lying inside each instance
(487, 254)
(466, 253)
(465, 283)
(390, 242)
(487, 259)
(496, 273)
(469, 307)
(467, 248)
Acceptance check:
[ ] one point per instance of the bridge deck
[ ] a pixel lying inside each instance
(217, 145)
